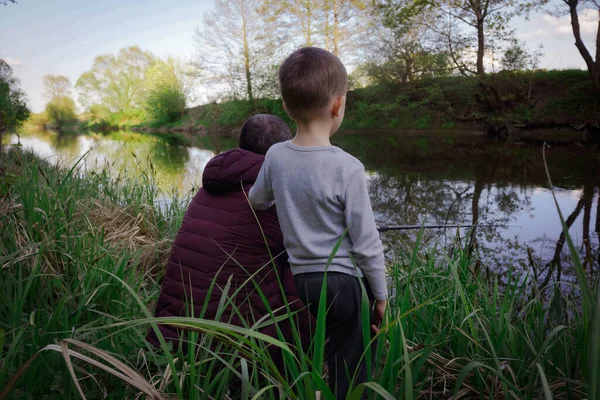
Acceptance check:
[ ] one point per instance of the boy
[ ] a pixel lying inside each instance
(320, 191)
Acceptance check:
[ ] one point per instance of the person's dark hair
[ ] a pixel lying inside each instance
(309, 78)
(261, 131)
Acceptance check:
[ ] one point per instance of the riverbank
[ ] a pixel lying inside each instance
(89, 270)
(513, 100)
(505, 106)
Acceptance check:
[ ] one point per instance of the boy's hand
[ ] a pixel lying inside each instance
(379, 315)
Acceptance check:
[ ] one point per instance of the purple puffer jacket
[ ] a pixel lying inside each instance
(221, 238)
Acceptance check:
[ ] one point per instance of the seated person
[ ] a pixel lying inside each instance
(220, 238)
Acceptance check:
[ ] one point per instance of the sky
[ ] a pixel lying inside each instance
(39, 37)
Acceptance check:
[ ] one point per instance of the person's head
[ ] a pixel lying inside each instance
(313, 84)
(261, 131)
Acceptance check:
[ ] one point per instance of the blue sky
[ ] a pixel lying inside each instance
(39, 37)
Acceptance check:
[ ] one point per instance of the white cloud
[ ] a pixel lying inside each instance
(13, 62)
(84, 42)
(588, 22)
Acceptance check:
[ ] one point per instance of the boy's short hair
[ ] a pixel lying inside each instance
(309, 78)
(261, 131)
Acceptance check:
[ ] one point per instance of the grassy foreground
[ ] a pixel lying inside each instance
(80, 259)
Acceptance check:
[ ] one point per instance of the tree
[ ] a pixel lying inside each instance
(61, 111)
(13, 101)
(56, 86)
(407, 53)
(234, 45)
(6, 2)
(336, 25)
(592, 62)
(342, 24)
(516, 57)
(166, 98)
(117, 82)
(483, 17)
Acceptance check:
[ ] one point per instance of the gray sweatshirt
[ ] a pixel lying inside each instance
(320, 192)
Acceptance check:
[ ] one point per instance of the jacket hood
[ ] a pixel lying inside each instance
(228, 171)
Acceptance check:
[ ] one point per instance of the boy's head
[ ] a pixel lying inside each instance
(313, 84)
(261, 131)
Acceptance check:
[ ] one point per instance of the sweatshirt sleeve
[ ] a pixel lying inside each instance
(261, 194)
(367, 248)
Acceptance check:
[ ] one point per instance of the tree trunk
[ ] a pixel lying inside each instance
(588, 198)
(479, 185)
(246, 55)
(308, 23)
(336, 28)
(593, 66)
(327, 27)
(480, 45)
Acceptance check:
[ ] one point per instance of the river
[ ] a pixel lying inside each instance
(414, 178)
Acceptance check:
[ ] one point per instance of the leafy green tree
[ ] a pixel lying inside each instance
(98, 113)
(116, 82)
(13, 102)
(61, 111)
(166, 99)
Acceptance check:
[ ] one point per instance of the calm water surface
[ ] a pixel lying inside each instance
(442, 178)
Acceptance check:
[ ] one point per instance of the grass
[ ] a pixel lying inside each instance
(80, 261)
(527, 98)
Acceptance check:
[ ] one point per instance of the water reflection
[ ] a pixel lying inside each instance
(462, 179)
(435, 179)
(178, 169)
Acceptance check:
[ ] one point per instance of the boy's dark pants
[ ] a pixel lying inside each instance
(343, 325)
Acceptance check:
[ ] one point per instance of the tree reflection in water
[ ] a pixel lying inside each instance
(502, 189)
(414, 178)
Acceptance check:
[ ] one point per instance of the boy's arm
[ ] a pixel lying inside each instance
(366, 244)
(261, 194)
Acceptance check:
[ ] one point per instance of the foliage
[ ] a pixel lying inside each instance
(61, 111)
(517, 58)
(56, 86)
(13, 101)
(39, 120)
(449, 20)
(116, 82)
(97, 113)
(83, 275)
(236, 47)
(165, 104)
(165, 101)
(339, 26)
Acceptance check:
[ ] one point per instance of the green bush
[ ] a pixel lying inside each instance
(13, 101)
(165, 104)
(61, 111)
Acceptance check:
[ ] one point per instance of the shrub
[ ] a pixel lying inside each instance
(61, 111)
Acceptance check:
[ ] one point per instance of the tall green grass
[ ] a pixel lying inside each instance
(80, 258)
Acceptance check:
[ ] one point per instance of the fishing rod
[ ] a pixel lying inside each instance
(386, 228)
